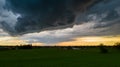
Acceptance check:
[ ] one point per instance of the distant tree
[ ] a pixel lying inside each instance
(103, 48)
(29, 46)
(117, 45)
(69, 47)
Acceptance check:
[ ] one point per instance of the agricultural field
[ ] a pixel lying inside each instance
(54, 57)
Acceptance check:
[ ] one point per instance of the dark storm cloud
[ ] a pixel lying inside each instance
(7, 20)
(41, 14)
(29, 16)
(105, 14)
(89, 17)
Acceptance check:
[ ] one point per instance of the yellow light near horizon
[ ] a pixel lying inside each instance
(91, 41)
(10, 41)
(37, 44)
(80, 41)
(14, 41)
(5, 38)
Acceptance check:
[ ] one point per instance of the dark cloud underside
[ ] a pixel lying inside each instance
(40, 14)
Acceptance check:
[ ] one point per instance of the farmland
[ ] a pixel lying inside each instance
(54, 57)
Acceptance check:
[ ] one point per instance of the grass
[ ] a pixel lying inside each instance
(52, 57)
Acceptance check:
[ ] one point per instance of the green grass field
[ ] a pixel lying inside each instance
(52, 57)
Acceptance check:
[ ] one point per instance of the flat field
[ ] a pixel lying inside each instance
(53, 57)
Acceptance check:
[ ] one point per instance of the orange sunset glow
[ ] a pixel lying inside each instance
(91, 41)
(80, 41)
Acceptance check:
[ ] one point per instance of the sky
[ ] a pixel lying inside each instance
(59, 22)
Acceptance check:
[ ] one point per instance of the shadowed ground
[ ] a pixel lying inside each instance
(52, 57)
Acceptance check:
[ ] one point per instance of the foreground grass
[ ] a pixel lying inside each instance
(51, 57)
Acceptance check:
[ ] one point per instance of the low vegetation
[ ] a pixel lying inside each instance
(103, 48)
(53, 56)
(117, 45)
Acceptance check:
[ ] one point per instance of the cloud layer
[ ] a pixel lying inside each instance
(65, 19)
(7, 18)
(37, 15)
(68, 34)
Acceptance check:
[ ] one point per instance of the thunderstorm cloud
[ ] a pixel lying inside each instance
(52, 21)
(37, 15)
